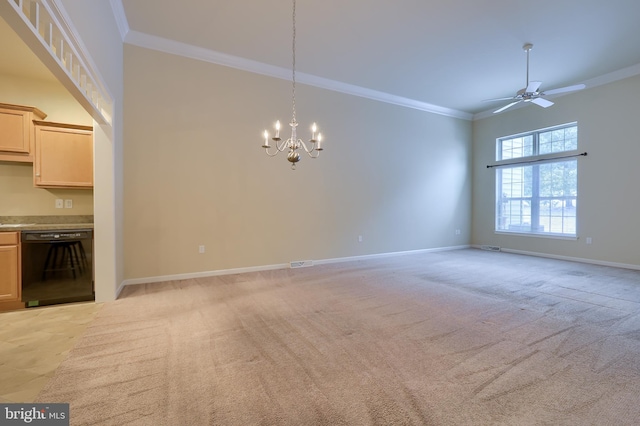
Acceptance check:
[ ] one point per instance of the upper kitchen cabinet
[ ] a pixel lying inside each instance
(16, 132)
(63, 155)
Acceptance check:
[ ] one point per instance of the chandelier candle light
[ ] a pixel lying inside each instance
(293, 144)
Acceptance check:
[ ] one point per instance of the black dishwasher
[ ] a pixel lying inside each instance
(57, 267)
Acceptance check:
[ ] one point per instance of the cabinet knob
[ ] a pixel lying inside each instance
(37, 174)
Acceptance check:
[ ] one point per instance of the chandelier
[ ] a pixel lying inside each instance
(293, 144)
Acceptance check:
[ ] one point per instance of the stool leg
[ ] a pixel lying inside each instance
(83, 254)
(46, 262)
(74, 249)
(71, 260)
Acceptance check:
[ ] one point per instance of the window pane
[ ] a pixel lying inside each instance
(571, 138)
(514, 182)
(538, 198)
(558, 179)
(555, 196)
(558, 140)
(516, 147)
(514, 203)
(558, 216)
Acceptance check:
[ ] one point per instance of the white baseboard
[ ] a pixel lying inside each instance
(569, 258)
(204, 274)
(391, 254)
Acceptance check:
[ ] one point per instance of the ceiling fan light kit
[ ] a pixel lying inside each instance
(531, 93)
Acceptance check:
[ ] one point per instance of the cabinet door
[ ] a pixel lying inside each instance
(64, 157)
(9, 273)
(14, 131)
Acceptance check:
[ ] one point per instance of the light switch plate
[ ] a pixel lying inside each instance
(59, 203)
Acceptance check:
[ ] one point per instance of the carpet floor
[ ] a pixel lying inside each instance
(464, 337)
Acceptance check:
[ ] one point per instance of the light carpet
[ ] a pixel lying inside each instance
(465, 337)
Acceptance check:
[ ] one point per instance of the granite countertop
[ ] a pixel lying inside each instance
(45, 227)
(44, 223)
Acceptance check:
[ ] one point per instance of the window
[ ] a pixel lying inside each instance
(537, 189)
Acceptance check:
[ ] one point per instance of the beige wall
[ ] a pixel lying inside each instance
(608, 177)
(18, 197)
(195, 173)
(50, 97)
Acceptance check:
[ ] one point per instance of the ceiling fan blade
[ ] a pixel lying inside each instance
(565, 89)
(499, 99)
(533, 86)
(505, 107)
(542, 102)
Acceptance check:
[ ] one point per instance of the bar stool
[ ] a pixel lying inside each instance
(61, 257)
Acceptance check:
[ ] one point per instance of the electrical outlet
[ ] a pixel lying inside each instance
(359, 238)
(68, 204)
(457, 232)
(200, 249)
(59, 203)
(589, 241)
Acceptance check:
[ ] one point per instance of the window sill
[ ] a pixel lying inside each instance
(531, 234)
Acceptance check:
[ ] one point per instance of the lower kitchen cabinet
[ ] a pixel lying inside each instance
(63, 155)
(10, 271)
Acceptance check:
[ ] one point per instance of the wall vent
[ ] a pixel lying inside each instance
(301, 263)
(490, 248)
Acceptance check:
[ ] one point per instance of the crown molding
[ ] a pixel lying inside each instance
(189, 51)
(121, 17)
(621, 74)
(206, 55)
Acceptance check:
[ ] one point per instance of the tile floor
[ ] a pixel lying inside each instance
(33, 343)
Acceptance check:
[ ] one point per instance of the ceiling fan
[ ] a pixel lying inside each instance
(531, 93)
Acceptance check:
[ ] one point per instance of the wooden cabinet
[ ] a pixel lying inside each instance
(63, 155)
(16, 132)
(10, 271)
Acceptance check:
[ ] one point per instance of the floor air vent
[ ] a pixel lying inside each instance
(490, 248)
(301, 263)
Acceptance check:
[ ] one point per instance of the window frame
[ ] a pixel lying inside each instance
(532, 160)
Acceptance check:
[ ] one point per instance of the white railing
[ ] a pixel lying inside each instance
(63, 46)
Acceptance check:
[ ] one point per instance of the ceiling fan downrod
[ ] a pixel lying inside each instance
(531, 92)
(527, 48)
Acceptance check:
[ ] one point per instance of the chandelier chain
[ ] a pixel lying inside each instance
(293, 67)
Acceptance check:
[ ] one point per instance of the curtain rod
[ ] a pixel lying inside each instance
(583, 154)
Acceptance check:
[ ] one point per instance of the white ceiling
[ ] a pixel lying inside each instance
(449, 53)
